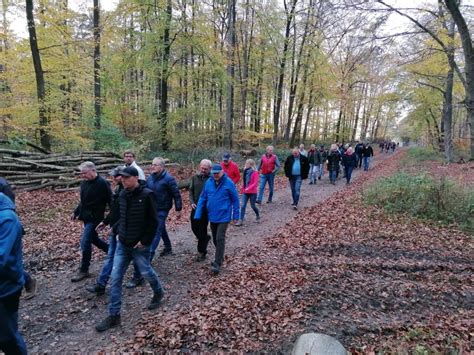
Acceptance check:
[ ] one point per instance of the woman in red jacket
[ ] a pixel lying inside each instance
(249, 190)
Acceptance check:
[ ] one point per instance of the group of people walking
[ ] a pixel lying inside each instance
(138, 210)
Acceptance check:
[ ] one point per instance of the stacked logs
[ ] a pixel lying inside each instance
(29, 171)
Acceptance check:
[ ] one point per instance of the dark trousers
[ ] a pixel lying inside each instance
(218, 237)
(348, 170)
(11, 342)
(199, 228)
(89, 237)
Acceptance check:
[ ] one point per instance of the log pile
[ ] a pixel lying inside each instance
(28, 171)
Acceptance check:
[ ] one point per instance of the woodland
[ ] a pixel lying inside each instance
(180, 75)
(382, 264)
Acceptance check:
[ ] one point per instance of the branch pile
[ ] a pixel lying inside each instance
(29, 171)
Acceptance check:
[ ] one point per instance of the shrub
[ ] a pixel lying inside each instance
(420, 154)
(422, 196)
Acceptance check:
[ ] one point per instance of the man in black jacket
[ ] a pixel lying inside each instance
(111, 220)
(136, 228)
(296, 170)
(95, 195)
(367, 153)
(199, 226)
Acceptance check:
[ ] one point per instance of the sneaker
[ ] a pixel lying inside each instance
(215, 268)
(134, 283)
(295, 207)
(165, 252)
(31, 287)
(258, 202)
(107, 323)
(81, 275)
(239, 223)
(156, 300)
(99, 290)
(200, 257)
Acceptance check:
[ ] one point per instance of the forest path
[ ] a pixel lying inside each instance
(62, 316)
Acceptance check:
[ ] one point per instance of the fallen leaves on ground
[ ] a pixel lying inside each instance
(377, 282)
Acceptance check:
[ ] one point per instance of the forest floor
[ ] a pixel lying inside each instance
(334, 266)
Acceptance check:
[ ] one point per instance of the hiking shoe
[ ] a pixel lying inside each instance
(239, 223)
(156, 300)
(81, 275)
(132, 283)
(200, 257)
(99, 290)
(165, 252)
(215, 268)
(107, 323)
(31, 287)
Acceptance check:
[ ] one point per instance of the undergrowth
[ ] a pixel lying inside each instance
(425, 197)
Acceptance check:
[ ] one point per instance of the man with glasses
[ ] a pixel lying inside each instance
(129, 160)
(95, 195)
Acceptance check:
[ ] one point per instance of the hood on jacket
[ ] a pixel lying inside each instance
(6, 203)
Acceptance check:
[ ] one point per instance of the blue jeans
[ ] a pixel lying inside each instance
(89, 237)
(108, 262)
(321, 170)
(295, 184)
(123, 256)
(366, 163)
(332, 175)
(11, 342)
(264, 178)
(245, 199)
(348, 170)
(160, 233)
(313, 172)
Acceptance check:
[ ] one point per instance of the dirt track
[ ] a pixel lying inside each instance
(62, 316)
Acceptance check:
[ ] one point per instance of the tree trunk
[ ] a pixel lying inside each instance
(45, 138)
(463, 29)
(281, 77)
(230, 39)
(97, 83)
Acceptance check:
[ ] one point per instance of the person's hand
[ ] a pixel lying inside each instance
(100, 227)
(178, 214)
(193, 206)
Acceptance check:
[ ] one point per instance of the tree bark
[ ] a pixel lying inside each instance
(281, 76)
(97, 83)
(230, 40)
(463, 29)
(45, 137)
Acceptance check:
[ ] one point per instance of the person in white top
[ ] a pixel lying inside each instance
(129, 160)
(303, 151)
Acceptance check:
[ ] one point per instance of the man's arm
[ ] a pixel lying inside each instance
(178, 202)
(202, 202)
(8, 235)
(277, 165)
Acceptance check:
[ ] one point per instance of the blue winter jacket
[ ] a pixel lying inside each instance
(11, 256)
(166, 190)
(221, 201)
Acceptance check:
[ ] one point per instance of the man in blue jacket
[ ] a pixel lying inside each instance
(11, 277)
(221, 200)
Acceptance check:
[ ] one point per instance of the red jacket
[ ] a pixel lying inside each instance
(252, 185)
(232, 171)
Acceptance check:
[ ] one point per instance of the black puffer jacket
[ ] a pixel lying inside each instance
(95, 196)
(349, 160)
(333, 161)
(138, 220)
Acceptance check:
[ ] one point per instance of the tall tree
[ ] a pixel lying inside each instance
(45, 138)
(97, 82)
(230, 42)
